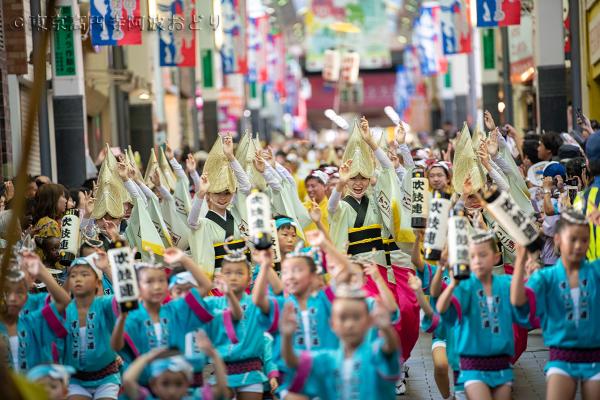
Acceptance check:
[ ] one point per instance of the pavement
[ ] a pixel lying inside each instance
(529, 381)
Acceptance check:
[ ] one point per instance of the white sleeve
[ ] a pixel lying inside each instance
(406, 156)
(285, 173)
(195, 178)
(497, 177)
(194, 215)
(400, 173)
(383, 159)
(177, 168)
(166, 193)
(134, 190)
(501, 163)
(146, 190)
(334, 201)
(243, 181)
(272, 178)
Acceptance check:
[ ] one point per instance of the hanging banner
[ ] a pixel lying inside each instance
(494, 13)
(115, 23)
(233, 49)
(456, 26)
(360, 26)
(64, 47)
(520, 39)
(177, 33)
(426, 39)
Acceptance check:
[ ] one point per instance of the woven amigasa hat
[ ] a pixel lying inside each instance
(217, 168)
(357, 150)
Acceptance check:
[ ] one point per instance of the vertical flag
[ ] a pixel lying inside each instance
(427, 40)
(115, 23)
(493, 13)
(177, 33)
(231, 56)
(456, 26)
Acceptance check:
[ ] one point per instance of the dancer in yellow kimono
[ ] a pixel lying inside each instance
(226, 215)
(363, 218)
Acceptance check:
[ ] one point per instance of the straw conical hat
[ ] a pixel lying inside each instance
(219, 172)
(109, 197)
(363, 160)
(241, 153)
(111, 163)
(150, 168)
(165, 167)
(466, 163)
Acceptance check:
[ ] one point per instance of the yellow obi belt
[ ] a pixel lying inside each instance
(365, 239)
(220, 252)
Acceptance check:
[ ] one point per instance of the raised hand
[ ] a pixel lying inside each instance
(204, 185)
(400, 133)
(31, 263)
(190, 163)
(204, 344)
(372, 270)
(173, 255)
(169, 152)
(288, 323)
(315, 212)
(488, 120)
(122, 170)
(111, 229)
(365, 132)
(259, 162)
(345, 172)
(155, 178)
(228, 147)
(483, 155)
(492, 143)
(10, 190)
(316, 238)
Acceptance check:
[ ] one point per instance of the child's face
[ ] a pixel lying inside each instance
(236, 275)
(170, 386)
(296, 275)
(179, 291)
(51, 247)
(287, 239)
(83, 281)
(573, 242)
(482, 258)
(350, 320)
(55, 388)
(153, 285)
(16, 297)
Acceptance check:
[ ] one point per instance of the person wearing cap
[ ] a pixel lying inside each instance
(87, 323)
(54, 378)
(553, 184)
(172, 375)
(29, 336)
(225, 218)
(589, 200)
(316, 187)
(112, 203)
(439, 176)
